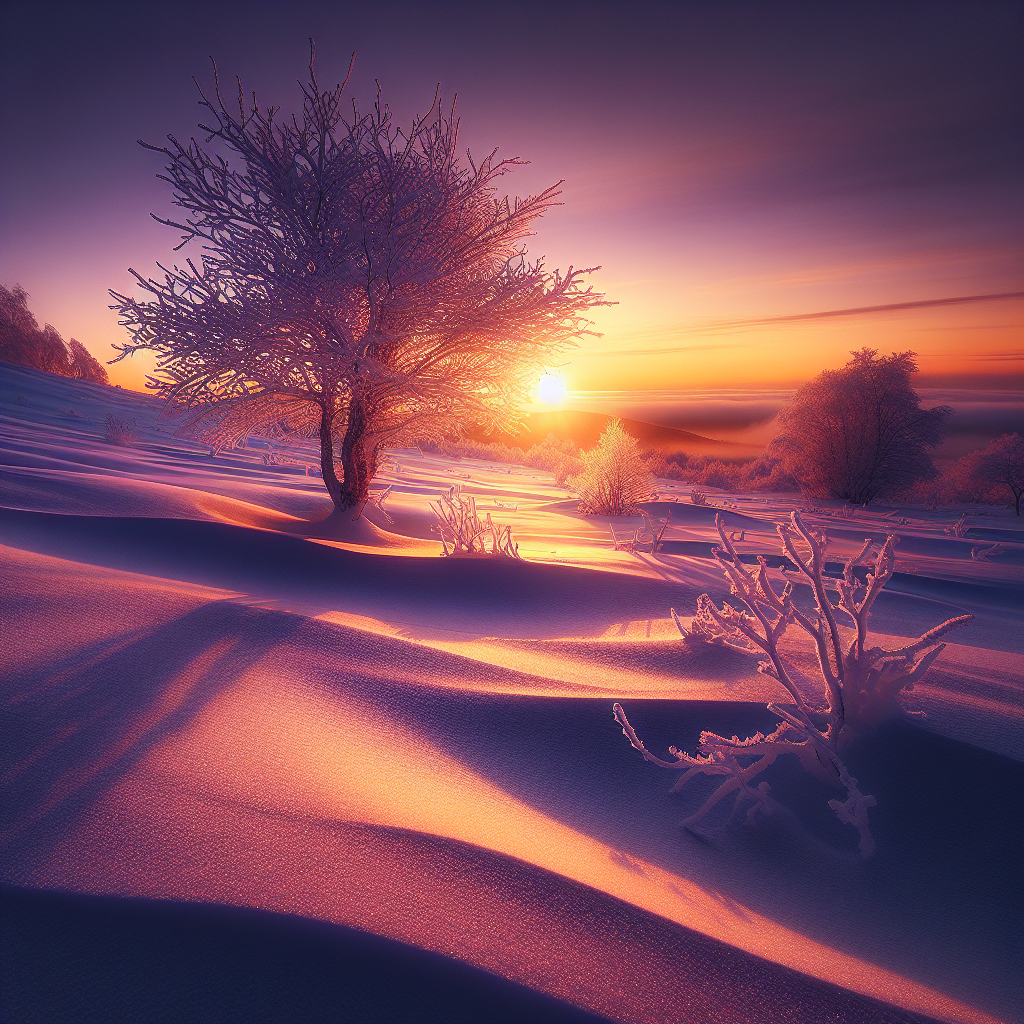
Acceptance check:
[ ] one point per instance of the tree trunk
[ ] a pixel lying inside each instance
(331, 481)
(357, 464)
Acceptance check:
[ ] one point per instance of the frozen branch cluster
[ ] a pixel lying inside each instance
(959, 528)
(858, 685)
(463, 533)
(647, 536)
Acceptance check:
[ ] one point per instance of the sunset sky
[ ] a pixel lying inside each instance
(765, 186)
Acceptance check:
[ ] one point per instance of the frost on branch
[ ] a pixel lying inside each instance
(462, 531)
(858, 686)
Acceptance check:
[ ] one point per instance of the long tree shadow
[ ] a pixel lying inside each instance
(73, 730)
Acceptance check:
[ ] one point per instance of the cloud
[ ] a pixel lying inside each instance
(700, 411)
(752, 323)
(666, 351)
(861, 310)
(999, 357)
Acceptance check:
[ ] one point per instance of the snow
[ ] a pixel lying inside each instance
(213, 700)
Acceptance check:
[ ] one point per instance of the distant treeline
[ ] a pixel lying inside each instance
(990, 476)
(24, 343)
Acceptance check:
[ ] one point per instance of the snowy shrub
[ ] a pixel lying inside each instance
(660, 465)
(993, 475)
(119, 431)
(698, 498)
(718, 474)
(858, 686)
(463, 533)
(565, 469)
(1001, 465)
(614, 477)
(550, 452)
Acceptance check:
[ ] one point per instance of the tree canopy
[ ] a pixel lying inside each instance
(359, 283)
(23, 343)
(859, 433)
(999, 464)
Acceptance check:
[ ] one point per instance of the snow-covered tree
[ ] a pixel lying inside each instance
(999, 463)
(24, 344)
(860, 433)
(614, 476)
(359, 283)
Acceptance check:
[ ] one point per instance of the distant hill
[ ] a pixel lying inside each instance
(585, 427)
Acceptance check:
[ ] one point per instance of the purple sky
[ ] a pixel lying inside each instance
(736, 169)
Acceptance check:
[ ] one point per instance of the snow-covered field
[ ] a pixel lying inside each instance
(207, 701)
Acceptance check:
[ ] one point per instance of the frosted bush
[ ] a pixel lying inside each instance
(859, 433)
(463, 533)
(614, 478)
(119, 431)
(858, 686)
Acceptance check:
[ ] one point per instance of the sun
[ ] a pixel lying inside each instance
(551, 389)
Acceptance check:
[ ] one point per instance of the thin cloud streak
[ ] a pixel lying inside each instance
(748, 323)
(864, 310)
(665, 351)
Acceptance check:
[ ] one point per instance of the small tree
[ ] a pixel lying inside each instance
(614, 475)
(859, 433)
(1001, 462)
(360, 284)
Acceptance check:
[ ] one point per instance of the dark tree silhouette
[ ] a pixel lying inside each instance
(360, 284)
(860, 433)
(23, 343)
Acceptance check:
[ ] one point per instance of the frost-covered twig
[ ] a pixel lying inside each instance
(984, 554)
(859, 686)
(378, 498)
(650, 532)
(463, 533)
(959, 528)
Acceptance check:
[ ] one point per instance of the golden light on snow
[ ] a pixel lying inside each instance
(551, 389)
